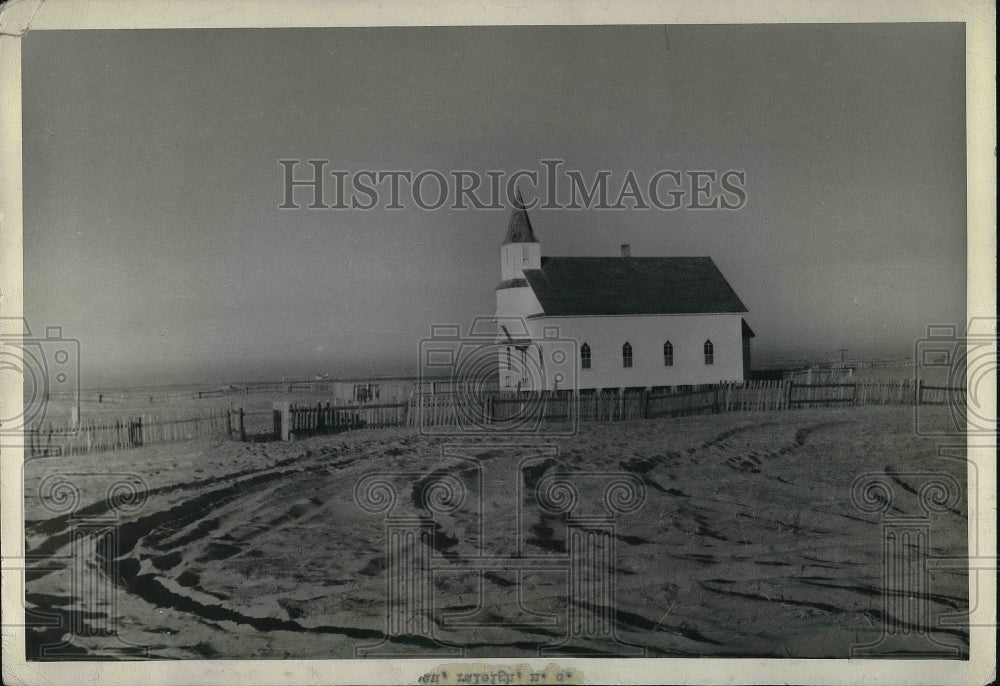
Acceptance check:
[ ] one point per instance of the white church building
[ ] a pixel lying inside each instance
(596, 323)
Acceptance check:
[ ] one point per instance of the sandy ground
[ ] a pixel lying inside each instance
(747, 543)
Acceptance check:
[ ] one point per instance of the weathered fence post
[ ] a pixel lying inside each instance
(791, 385)
(135, 429)
(320, 419)
(243, 429)
(406, 407)
(918, 392)
(283, 419)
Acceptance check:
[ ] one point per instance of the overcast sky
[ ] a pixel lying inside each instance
(152, 231)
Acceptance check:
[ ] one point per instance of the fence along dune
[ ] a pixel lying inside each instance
(429, 407)
(108, 434)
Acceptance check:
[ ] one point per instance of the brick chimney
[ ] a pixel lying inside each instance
(626, 250)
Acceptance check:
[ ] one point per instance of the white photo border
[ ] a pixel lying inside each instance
(979, 18)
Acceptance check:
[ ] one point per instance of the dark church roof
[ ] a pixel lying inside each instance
(631, 285)
(519, 227)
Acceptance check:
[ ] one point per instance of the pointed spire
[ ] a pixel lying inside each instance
(519, 227)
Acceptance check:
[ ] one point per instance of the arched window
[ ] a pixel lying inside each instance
(585, 356)
(709, 353)
(627, 354)
(668, 354)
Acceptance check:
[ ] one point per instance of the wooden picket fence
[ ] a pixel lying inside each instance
(491, 409)
(310, 420)
(497, 409)
(942, 395)
(500, 409)
(754, 396)
(121, 434)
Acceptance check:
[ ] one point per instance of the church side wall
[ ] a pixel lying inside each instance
(687, 333)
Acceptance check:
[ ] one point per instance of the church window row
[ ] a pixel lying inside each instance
(586, 358)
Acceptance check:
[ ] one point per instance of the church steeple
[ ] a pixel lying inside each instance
(520, 249)
(519, 227)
